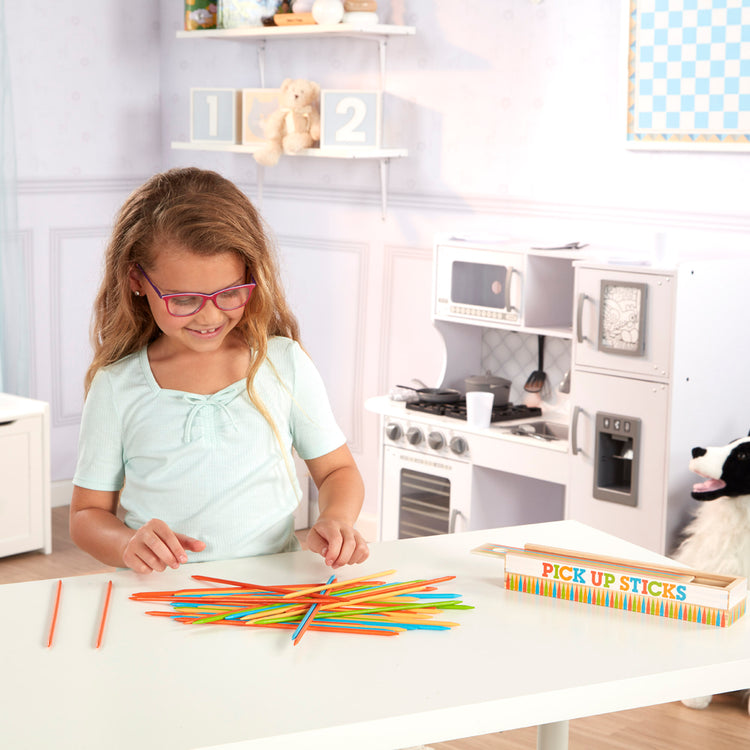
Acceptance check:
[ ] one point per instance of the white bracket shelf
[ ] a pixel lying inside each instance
(261, 34)
(361, 31)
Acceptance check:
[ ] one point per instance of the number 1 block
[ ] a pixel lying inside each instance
(215, 115)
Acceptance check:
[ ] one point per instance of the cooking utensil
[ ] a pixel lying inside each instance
(564, 386)
(434, 395)
(568, 246)
(499, 387)
(528, 430)
(535, 381)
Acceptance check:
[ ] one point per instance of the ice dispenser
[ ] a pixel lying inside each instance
(616, 462)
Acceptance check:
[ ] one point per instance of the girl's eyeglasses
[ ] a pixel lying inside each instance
(184, 305)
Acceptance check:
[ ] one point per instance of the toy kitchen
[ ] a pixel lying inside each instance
(650, 368)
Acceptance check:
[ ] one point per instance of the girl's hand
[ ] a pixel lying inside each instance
(155, 546)
(337, 542)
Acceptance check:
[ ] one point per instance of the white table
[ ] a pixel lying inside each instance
(516, 660)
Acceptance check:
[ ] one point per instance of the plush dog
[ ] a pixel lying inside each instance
(718, 538)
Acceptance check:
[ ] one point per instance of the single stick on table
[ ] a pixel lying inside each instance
(54, 614)
(104, 615)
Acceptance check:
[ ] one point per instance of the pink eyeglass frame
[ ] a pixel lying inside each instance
(204, 297)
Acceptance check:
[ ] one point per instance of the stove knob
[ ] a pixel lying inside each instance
(393, 431)
(414, 435)
(435, 440)
(459, 445)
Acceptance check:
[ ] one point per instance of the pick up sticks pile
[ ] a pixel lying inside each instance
(364, 606)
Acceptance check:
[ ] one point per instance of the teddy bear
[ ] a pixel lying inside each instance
(294, 125)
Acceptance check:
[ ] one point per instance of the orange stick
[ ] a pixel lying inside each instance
(340, 584)
(386, 591)
(54, 615)
(104, 615)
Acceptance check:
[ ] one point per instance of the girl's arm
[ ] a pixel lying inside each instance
(96, 529)
(340, 496)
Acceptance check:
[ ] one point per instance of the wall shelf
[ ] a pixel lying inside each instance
(261, 34)
(361, 31)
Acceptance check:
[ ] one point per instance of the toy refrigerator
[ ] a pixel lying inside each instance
(659, 365)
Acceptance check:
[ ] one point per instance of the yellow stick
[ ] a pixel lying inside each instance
(377, 595)
(340, 584)
(285, 611)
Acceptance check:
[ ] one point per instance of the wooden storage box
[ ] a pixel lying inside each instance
(677, 593)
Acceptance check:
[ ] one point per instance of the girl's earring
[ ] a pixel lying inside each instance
(137, 293)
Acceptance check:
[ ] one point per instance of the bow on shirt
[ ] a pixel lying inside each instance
(215, 401)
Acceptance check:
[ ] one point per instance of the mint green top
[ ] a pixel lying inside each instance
(209, 466)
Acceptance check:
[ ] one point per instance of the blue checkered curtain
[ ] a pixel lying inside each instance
(14, 297)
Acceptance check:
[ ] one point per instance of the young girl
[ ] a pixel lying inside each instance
(199, 391)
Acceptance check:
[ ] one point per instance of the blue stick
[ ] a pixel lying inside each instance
(309, 612)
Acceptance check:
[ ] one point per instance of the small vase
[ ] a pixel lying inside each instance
(328, 11)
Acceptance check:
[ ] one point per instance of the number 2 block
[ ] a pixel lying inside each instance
(350, 119)
(215, 115)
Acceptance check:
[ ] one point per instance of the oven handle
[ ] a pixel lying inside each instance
(579, 317)
(574, 449)
(455, 513)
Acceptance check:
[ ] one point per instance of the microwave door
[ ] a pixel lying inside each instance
(481, 284)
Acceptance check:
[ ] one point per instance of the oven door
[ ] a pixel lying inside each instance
(423, 495)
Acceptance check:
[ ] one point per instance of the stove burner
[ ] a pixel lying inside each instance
(457, 410)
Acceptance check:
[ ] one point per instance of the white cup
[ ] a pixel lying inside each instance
(479, 408)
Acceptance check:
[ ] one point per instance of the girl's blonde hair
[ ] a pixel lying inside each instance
(208, 215)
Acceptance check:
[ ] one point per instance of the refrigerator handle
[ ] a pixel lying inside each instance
(574, 430)
(579, 317)
(455, 513)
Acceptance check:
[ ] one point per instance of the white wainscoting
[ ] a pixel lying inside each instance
(65, 226)
(75, 256)
(410, 347)
(326, 285)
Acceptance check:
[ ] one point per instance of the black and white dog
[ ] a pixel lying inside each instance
(718, 538)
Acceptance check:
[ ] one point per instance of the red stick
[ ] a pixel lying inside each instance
(104, 615)
(240, 584)
(54, 615)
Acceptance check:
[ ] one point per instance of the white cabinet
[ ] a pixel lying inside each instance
(657, 370)
(640, 302)
(24, 476)
(503, 284)
(640, 400)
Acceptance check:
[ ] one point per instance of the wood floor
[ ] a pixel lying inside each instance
(725, 725)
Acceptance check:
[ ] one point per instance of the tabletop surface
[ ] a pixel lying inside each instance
(515, 660)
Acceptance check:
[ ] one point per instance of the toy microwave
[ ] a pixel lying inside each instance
(502, 283)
